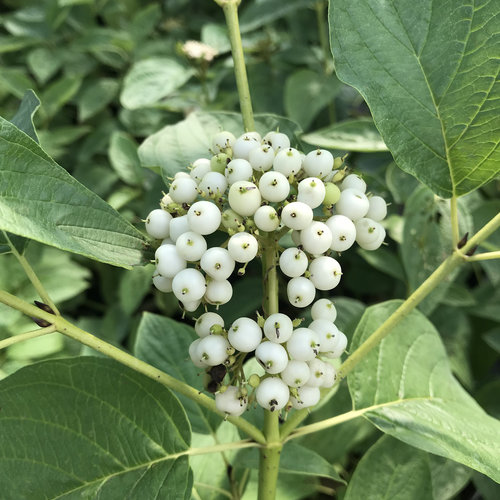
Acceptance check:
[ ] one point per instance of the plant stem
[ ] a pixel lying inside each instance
(484, 256)
(26, 336)
(230, 8)
(32, 275)
(455, 236)
(270, 453)
(66, 328)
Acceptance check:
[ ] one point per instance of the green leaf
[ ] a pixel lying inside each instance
(15, 81)
(57, 94)
(96, 97)
(174, 147)
(23, 119)
(385, 261)
(407, 390)
(15, 43)
(215, 35)
(295, 459)
(307, 93)
(392, 469)
(134, 285)
(164, 343)
(351, 135)
(41, 201)
(44, 63)
(123, 157)
(145, 21)
(91, 428)
(150, 80)
(429, 72)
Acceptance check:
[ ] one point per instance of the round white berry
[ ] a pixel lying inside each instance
(158, 224)
(212, 350)
(218, 292)
(368, 232)
(213, 183)
(168, 261)
(303, 345)
(261, 158)
(329, 375)
(353, 204)
(325, 273)
(266, 218)
(277, 140)
(193, 354)
(231, 402)
(244, 197)
(204, 217)
(343, 232)
(222, 140)
(373, 245)
(318, 163)
(287, 162)
(311, 191)
(238, 170)
(274, 186)
(300, 291)
(272, 357)
(324, 309)
(242, 247)
(178, 226)
(353, 181)
(162, 283)
(181, 175)
(297, 215)
(293, 262)
(272, 394)
(183, 190)
(327, 334)
(191, 246)
(189, 285)
(205, 322)
(306, 397)
(243, 145)
(217, 263)
(201, 167)
(245, 335)
(316, 238)
(378, 208)
(278, 327)
(296, 373)
(341, 344)
(318, 372)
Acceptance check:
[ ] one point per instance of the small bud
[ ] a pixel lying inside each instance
(254, 380)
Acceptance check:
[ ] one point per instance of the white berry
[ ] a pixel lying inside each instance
(325, 273)
(272, 394)
(272, 357)
(242, 247)
(158, 224)
(300, 291)
(217, 263)
(303, 344)
(293, 262)
(231, 402)
(278, 327)
(296, 373)
(204, 217)
(245, 335)
(205, 322)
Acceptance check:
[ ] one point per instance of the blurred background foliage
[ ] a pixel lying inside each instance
(109, 74)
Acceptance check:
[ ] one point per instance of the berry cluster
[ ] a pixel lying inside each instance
(251, 188)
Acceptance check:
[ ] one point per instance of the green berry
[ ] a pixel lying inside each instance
(332, 194)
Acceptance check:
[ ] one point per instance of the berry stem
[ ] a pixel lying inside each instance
(63, 326)
(230, 8)
(270, 453)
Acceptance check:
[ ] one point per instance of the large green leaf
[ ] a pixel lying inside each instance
(164, 343)
(90, 428)
(174, 147)
(150, 80)
(41, 201)
(429, 72)
(409, 392)
(352, 135)
(392, 469)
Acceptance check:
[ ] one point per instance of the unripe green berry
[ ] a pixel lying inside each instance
(218, 163)
(231, 220)
(254, 380)
(332, 194)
